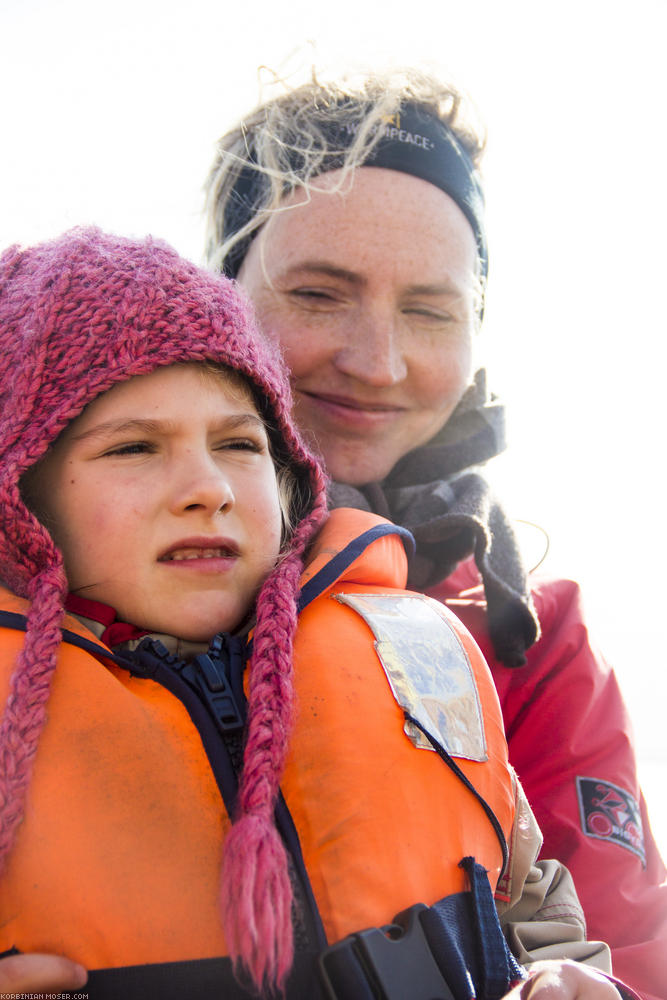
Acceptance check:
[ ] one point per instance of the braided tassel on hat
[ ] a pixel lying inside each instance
(257, 894)
(25, 713)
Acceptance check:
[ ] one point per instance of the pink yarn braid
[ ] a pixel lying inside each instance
(25, 713)
(256, 898)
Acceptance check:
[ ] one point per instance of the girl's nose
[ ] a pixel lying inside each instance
(203, 486)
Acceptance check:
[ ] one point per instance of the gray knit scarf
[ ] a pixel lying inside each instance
(452, 513)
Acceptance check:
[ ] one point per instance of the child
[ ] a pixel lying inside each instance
(153, 487)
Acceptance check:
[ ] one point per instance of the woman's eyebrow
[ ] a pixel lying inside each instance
(448, 286)
(138, 425)
(320, 267)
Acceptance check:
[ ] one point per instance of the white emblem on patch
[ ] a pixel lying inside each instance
(427, 668)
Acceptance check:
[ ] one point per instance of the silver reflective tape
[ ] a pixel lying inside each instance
(427, 668)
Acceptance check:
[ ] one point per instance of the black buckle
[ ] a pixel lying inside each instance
(388, 963)
(149, 655)
(206, 674)
(217, 693)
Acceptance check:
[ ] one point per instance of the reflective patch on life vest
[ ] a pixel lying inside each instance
(427, 668)
(610, 813)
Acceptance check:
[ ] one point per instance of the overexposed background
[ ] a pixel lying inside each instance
(109, 115)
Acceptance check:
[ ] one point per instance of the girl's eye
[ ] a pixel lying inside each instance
(131, 448)
(242, 444)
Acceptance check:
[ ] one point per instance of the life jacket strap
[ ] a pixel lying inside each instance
(453, 950)
(202, 979)
(390, 963)
(496, 960)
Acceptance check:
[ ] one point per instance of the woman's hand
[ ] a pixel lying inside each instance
(40, 973)
(564, 981)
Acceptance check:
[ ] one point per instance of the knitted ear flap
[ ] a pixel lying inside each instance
(256, 891)
(39, 576)
(25, 711)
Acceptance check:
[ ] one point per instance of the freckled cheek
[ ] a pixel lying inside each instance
(276, 324)
(112, 515)
(305, 345)
(265, 520)
(266, 517)
(445, 375)
(302, 355)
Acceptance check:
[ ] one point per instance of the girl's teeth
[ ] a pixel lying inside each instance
(196, 554)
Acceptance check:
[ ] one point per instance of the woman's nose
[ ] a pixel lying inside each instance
(373, 351)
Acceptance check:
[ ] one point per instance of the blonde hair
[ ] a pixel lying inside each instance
(284, 144)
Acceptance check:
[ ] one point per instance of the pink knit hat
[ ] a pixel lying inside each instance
(78, 315)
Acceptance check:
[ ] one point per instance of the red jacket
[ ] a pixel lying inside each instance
(570, 740)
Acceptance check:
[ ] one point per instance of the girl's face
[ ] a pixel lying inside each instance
(162, 497)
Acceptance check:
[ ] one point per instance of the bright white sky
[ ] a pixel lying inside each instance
(109, 115)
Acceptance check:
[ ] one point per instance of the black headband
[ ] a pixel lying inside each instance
(414, 142)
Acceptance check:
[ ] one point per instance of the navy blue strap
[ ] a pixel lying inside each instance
(10, 619)
(199, 979)
(500, 969)
(453, 766)
(328, 575)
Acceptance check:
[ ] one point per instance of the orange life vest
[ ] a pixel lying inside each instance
(117, 860)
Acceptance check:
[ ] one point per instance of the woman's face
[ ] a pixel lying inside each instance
(371, 295)
(162, 497)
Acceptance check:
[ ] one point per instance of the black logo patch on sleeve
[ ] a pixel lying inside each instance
(610, 813)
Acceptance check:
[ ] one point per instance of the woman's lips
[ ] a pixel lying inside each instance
(349, 410)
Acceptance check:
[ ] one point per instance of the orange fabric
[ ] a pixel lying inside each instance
(117, 860)
(383, 564)
(371, 809)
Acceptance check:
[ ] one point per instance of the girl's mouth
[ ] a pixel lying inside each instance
(180, 555)
(197, 549)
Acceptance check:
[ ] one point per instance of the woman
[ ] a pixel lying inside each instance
(353, 215)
